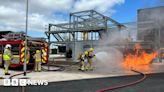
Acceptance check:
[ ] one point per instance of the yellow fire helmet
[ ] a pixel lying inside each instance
(37, 51)
(91, 49)
(86, 52)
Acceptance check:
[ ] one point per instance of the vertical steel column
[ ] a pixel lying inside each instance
(106, 24)
(92, 24)
(49, 29)
(92, 38)
(73, 33)
(25, 65)
(70, 26)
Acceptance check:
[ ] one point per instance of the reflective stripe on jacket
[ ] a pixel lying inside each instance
(7, 54)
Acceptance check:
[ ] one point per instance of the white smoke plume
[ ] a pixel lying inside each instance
(108, 54)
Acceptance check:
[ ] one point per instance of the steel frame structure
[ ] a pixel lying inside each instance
(89, 23)
(84, 21)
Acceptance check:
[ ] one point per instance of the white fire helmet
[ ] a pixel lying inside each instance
(8, 46)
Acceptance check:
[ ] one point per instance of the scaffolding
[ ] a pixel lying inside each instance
(84, 27)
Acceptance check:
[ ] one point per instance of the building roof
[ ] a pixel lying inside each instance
(4, 33)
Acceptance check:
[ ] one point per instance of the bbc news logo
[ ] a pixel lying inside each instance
(24, 82)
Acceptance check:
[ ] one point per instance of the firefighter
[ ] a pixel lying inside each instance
(84, 61)
(7, 57)
(90, 61)
(37, 57)
(81, 60)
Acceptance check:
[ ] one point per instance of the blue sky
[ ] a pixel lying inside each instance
(42, 12)
(127, 12)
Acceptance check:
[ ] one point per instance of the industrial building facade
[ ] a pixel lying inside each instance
(151, 26)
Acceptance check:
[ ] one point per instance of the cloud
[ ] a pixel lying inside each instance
(99, 5)
(42, 12)
(49, 6)
(10, 17)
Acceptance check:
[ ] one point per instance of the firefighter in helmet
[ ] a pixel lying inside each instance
(38, 57)
(7, 57)
(84, 61)
(90, 61)
(81, 60)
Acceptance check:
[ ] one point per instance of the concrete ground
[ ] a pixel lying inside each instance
(72, 73)
(153, 83)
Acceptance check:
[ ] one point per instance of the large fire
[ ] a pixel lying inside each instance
(138, 58)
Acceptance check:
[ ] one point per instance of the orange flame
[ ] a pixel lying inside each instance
(140, 57)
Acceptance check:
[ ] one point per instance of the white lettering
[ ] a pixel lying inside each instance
(14, 82)
(40, 82)
(29, 82)
(6, 82)
(22, 82)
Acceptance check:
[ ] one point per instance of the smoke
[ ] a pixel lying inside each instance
(108, 59)
(131, 31)
(150, 23)
(108, 54)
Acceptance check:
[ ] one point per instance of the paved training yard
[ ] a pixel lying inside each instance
(72, 73)
(153, 83)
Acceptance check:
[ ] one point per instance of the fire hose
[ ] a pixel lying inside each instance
(105, 89)
(1, 78)
(59, 68)
(45, 68)
(125, 85)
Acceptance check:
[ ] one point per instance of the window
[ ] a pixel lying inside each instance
(15, 49)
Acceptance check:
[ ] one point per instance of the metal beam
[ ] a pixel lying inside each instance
(98, 13)
(79, 30)
(61, 26)
(79, 17)
(64, 42)
(60, 37)
(81, 12)
(55, 37)
(115, 22)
